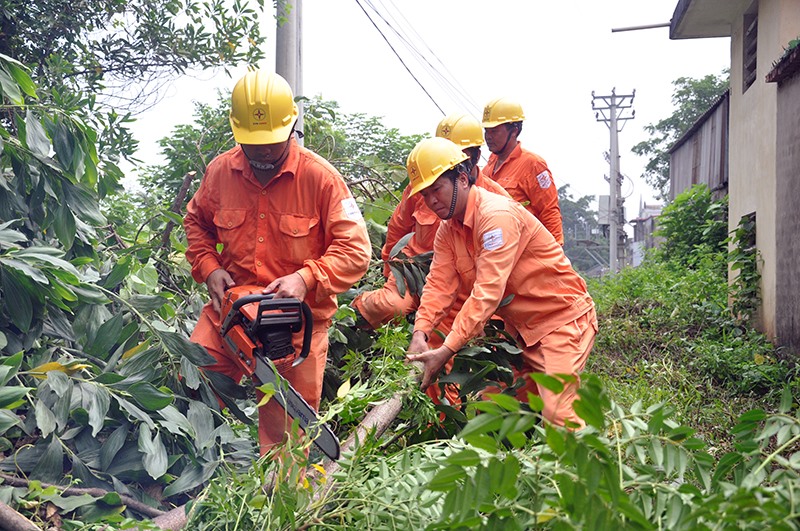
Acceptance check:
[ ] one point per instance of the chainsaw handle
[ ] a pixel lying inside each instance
(258, 297)
(307, 331)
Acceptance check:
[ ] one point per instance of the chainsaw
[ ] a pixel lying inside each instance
(257, 331)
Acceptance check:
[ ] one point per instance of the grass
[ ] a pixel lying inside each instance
(666, 336)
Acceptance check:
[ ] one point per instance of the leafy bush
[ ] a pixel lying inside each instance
(693, 225)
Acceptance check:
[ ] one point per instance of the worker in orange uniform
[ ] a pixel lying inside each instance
(285, 220)
(380, 306)
(523, 174)
(495, 249)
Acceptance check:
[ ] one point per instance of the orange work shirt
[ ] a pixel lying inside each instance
(413, 215)
(527, 178)
(303, 220)
(499, 250)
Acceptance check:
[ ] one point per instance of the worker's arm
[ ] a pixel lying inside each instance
(496, 252)
(441, 285)
(400, 224)
(347, 255)
(543, 195)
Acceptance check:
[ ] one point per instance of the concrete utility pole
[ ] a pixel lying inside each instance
(610, 111)
(289, 49)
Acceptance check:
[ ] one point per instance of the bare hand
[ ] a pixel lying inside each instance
(419, 343)
(290, 286)
(217, 282)
(432, 361)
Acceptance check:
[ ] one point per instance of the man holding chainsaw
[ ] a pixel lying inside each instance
(496, 250)
(272, 214)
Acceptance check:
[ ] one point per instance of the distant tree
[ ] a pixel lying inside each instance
(691, 98)
(584, 245)
(127, 48)
(369, 155)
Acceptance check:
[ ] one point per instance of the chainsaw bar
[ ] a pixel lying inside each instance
(297, 408)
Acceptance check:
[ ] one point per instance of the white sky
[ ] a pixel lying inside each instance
(550, 55)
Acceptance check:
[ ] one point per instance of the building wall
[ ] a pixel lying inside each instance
(753, 139)
(788, 236)
(702, 157)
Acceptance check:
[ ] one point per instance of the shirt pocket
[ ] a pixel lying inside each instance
(229, 222)
(425, 226)
(301, 238)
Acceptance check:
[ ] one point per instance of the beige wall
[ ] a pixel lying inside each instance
(753, 138)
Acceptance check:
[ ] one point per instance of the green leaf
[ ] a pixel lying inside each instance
(9, 367)
(506, 300)
(200, 418)
(155, 454)
(176, 422)
(550, 383)
(10, 88)
(192, 476)
(786, 400)
(106, 337)
(147, 303)
(45, 420)
(397, 271)
(509, 403)
(445, 480)
(50, 467)
(18, 302)
(22, 78)
(64, 226)
(482, 424)
(464, 458)
(7, 420)
(11, 395)
(150, 398)
(134, 411)
(112, 445)
(96, 400)
(118, 273)
(400, 245)
(178, 345)
(35, 136)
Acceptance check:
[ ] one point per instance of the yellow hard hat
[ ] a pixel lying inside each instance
(462, 129)
(429, 159)
(263, 110)
(502, 111)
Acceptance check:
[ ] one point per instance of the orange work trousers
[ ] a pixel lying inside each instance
(562, 351)
(273, 422)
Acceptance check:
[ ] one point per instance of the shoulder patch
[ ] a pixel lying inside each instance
(493, 239)
(350, 208)
(544, 179)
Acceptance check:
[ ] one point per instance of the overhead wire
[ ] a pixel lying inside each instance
(400, 58)
(447, 83)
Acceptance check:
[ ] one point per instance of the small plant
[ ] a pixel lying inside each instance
(744, 259)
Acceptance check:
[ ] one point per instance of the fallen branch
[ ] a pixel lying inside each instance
(131, 503)
(12, 520)
(377, 421)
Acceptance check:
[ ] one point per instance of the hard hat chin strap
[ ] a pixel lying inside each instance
(455, 196)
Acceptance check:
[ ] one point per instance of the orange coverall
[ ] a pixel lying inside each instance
(526, 177)
(500, 250)
(380, 306)
(304, 220)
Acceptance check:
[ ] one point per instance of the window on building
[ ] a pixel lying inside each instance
(750, 47)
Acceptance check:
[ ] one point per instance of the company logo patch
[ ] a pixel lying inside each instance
(493, 239)
(544, 179)
(350, 208)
